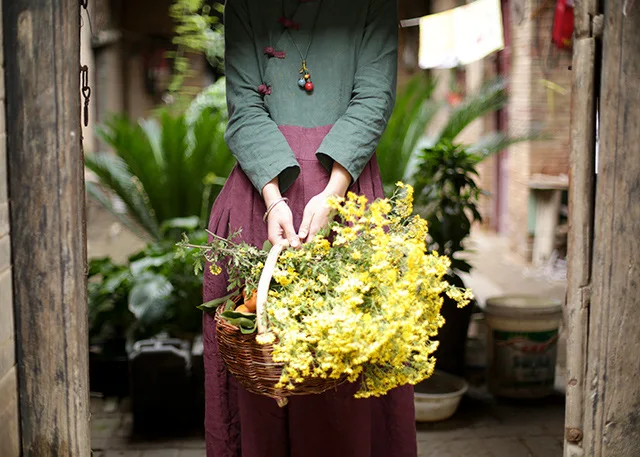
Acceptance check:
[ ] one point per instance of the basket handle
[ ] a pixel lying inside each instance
(263, 286)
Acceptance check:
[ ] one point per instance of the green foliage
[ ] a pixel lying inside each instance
(163, 168)
(108, 289)
(198, 30)
(156, 291)
(413, 111)
(244, 321)
(446, 192)
(447, 195)
(239, 258)
(491, 97)
(213, 97)
(165, 292)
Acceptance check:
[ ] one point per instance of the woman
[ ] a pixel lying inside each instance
(310, 87)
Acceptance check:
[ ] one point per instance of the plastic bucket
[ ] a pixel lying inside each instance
(522, 345)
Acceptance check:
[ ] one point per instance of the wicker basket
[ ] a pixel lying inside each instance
(250, 362)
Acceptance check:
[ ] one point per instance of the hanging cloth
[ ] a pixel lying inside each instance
(461, 35)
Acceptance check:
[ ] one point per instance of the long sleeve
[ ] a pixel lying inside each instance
(252, 136)
(354, 137)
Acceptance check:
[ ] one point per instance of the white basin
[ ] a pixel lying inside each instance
(437, 398)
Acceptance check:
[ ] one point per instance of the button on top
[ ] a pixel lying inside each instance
(288, 23)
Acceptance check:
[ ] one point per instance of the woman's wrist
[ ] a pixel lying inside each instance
(271, 192)
(339, 181)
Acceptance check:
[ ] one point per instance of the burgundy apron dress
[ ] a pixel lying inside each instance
(333, 424)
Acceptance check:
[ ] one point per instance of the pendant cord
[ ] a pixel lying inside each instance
(313, 29)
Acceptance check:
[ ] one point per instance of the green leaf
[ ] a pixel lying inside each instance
(197, 267)
(245, 322)
(150, 299)
(185, 223)
(267, 245)
(144, 264)
(167, 169)
(489, 98)
(413, 112)
(495, 142)
(213, 304)
(113, 282)
(114, 175)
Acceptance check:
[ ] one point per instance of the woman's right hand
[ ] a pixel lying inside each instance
(280, 219)
(280, 226)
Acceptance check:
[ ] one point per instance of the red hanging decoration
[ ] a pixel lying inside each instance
(563, 24)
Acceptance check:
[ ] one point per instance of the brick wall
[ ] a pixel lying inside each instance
(532, 107)
(9, 435)
(551, 110)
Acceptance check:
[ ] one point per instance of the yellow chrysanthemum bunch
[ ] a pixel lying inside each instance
(361, 301)
(364, 306)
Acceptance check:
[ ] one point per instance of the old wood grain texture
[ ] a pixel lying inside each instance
(46, 191)
(612, 401)
(584, 12)
(581, 193)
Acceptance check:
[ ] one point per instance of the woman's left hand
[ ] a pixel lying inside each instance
(315, 216)
(316, 213)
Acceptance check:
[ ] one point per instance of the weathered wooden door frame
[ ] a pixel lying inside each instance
(603, 303)
(47, 214)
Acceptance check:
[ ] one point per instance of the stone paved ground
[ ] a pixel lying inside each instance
(482, 427)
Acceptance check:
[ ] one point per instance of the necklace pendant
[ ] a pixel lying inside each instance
(308, 86)
(305, 78)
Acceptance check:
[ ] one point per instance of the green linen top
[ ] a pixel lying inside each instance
(352, 60)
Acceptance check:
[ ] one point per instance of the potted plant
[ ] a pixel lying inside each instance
(164, 291)
(110, 322)
(447, 196)
(165, 167)
(143, 323)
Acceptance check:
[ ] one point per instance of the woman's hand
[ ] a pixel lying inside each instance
(315, 216)
(280, 226)
(280, 220)
(316, 213)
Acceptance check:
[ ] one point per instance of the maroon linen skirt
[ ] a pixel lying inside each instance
(333, 424)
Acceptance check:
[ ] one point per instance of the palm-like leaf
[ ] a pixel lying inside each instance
(163, 168)
(413, 111)
(490, 97)
(495, 142)
(114, 175)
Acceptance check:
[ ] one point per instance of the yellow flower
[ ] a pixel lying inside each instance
(215, 269)
(265, 338)
(366, 306)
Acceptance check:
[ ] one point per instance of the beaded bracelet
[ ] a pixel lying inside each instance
(271, 206)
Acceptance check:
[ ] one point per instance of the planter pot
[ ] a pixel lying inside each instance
(161, 390)
(438, 397)
(451, 353)
(109, 368)
(197, 381)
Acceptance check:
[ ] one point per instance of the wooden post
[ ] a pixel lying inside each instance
(581, 194)
(46, 192)
(612, 400)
